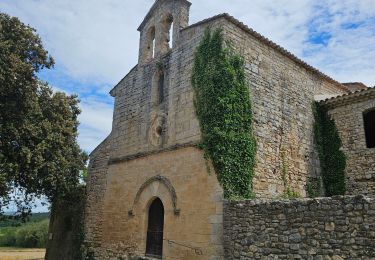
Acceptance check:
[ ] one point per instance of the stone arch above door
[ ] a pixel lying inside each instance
(147, 185)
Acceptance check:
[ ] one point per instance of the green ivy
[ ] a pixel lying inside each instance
(314, 187)
(332, 159)
(223, 106)
(288, 193)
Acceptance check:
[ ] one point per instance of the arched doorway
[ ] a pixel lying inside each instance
(154, 242)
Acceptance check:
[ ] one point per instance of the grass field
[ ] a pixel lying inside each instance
(8, 253)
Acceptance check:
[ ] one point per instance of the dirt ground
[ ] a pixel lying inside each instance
(21, 254)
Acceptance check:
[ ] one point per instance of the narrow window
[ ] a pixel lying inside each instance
(158, 87)
(150, 43)
(153, 48)
(161, 87)
(171, 34)
(369, 122)
(154, 243)
(167, 33)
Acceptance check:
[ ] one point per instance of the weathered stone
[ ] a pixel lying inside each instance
(300, 240)
(152, 152)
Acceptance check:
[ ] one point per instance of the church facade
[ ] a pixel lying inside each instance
(152, 193)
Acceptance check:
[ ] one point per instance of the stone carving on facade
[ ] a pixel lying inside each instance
(155, 134)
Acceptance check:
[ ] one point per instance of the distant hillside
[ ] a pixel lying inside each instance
(30, 234)
(36, 217)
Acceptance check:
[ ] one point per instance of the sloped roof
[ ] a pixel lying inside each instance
(112, 92)
(270, 44)
(256, 35)
(357, 84)
(360, 95)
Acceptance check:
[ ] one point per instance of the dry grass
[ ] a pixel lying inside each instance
(21, 254)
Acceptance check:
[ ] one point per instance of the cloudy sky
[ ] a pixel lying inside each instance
(95, 42)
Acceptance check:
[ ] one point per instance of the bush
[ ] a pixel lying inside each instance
(30, 235)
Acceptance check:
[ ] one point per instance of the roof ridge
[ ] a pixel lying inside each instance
(269, 43)
(357, 93)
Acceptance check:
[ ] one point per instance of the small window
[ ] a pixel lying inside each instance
(150, 52)
(167, 29)
(171, 35)
(158, 87)
(369, 122)
(161, 87)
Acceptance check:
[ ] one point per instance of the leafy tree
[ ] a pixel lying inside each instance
(39, 154)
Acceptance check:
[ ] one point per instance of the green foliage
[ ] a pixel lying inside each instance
(314, 187)
(67, 223)
(39, 154)
(35, 217)
(332, 159)
(223, 107)
(288, 193)
(29, 235)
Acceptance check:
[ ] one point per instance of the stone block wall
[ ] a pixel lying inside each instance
(360, 169)
(282, 93)
(95, 189)
(324, 228)
(193, 216)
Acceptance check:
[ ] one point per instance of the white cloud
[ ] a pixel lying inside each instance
(350, 53)
(96, 123)
(93, 40)
(96, 42)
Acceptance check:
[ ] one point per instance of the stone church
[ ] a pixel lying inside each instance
(151, 192)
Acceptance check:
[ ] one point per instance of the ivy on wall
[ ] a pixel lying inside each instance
(314, 187)
(332, 159)
(288, 193)
(223, 106)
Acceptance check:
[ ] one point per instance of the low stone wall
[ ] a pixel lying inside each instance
(341, 227)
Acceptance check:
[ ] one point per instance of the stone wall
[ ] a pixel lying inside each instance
(348, 116)
(151, 139)
(191, 196)
(282, 92)
(96, 187)
(326, 228)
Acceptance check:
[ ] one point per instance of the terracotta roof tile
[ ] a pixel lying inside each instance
(358, 95)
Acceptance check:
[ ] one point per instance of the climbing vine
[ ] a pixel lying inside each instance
(223, 106)
(332, 159)
(314, 187)
(288, 193)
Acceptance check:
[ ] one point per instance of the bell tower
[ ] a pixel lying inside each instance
(160, 29)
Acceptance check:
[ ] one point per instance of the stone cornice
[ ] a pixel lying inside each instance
(357, 96)
(116, 160)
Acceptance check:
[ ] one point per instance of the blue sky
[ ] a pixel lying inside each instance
(95, 43)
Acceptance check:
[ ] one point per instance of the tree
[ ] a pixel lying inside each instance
(39, 154)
